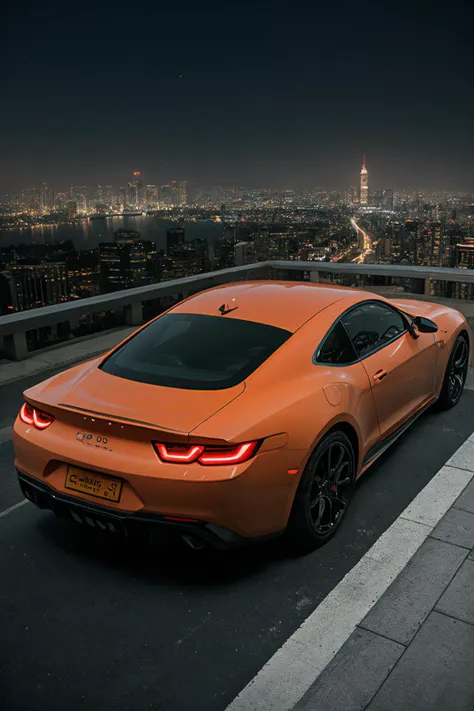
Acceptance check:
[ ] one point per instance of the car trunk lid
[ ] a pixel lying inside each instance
(106, 396)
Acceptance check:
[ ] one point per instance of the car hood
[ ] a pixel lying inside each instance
(87, 390)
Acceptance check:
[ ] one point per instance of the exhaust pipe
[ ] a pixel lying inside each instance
(193, 543)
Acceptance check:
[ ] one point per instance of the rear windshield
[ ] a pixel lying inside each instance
(195, 352)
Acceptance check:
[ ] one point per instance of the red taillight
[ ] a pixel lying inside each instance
(178, 453)
(229, 455)
(26, 414)
(41, 419)
(209, 456)
(31, 416)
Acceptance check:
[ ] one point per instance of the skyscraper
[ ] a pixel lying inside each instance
(151, 195)
(166, 196)
(46, 198)
(182, 194)
(364, 185)
(133, 193)
(37, 285)
(179, 193)
(377, 198)
(437, 245)
(83, 273)
(127, 262)
(388, 199)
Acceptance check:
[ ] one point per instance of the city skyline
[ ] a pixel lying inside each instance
(153, 180)
(135, 180)
(251, 96)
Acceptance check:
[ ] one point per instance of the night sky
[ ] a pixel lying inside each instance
(272, 94)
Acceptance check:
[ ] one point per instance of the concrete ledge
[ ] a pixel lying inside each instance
(14, 327)
(64, 355)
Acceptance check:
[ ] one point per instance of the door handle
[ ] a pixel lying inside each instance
(380, 375)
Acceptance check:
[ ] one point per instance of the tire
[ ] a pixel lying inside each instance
(324, 493)
(455, 375)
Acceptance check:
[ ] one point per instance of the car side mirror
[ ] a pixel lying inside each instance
(425, 325)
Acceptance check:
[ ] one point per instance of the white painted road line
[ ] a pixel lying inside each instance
(13, 508)
(6, 434)
(286, 677)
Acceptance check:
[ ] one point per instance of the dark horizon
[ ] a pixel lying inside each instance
(263, 95)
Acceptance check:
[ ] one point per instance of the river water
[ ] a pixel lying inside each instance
(86, 234)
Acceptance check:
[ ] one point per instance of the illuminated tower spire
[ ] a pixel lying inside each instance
(364, 184)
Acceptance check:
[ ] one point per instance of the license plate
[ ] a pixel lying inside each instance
(94, 484)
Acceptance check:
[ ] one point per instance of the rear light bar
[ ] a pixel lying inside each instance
(32, 416)
(208, 456)
(170, 453)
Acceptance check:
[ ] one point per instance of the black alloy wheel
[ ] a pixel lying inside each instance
(324, 493)
(456, 373)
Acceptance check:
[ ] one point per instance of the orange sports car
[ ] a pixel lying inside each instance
(242, 412)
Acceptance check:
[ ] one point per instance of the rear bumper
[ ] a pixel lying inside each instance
(150, 527)
(252, 499)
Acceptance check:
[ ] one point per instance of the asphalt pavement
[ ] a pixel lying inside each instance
(91, 622)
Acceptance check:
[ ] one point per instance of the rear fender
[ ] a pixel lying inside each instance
(445, 338)
(341, 419)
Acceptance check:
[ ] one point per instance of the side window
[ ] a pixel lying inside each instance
(371, 325)
(336, 348)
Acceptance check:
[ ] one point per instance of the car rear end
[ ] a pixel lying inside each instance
(111, 445)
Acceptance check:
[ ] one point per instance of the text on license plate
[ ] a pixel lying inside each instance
(94, 484)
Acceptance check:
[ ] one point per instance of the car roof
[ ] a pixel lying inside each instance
(284, 304)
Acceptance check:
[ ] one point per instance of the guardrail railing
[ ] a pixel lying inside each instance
(14, 328)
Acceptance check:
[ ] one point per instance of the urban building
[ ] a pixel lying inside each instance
(46, 199)
(175, 239)
(133, 193)
(465, 254)
(388, 199)
(80, 195)
(413, 241)
(463, 259)
(178, 254)
(378, 199)
(275, 242)
(223, 249)
(437, 245)
(184, 258)
(150, 196)
(114, 266)
(128, 262)
(61, 201)
(83, 273)
(180, 194)
(173, 194)
(364, 184)
(30, 199)
(197, 258)
(244, 253)
(396, 235)
(6, 299)
(32, 286)
(71, 209)
(166, 196)
(126, 236)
